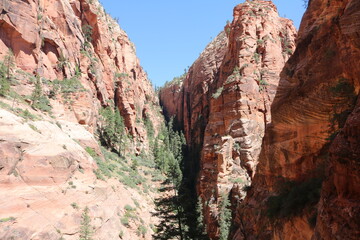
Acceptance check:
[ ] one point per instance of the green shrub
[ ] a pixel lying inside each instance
(127, 181)
(124, 169)
(157, 176)
(235, 74)
(237, 146)
(91, 152)
(103, 167)
(8, 219)
(128, 208)
(133, 180)
(343, 87)
(26, 114)
(141, 231)
(137, 204)
(68, 86)
(260, 41)
(131, 214)
(218, 92)
(293, 198)
(74, 205)
(263, 82)
(62, 63)
(39, 101)
(112, 132)
(125, 221)
(87, 31)
(145, 160)
(119, 77)
(43, 104)
(224, 218)
(134, 164)
(345, 91)
(5, 74)
(257, 57)
(236, 180)
(149, 128)
(176, 80)
(98, 174)
(4, 84)
(5, 105)
(86, 230)
(34, 128)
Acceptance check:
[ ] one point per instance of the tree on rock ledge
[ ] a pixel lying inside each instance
(86, 230)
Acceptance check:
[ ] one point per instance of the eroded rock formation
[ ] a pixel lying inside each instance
(47, 179)
(312, 138)
(61, 39)
(226, 98)
(83, 61)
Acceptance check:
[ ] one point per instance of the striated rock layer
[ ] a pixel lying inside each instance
(84, 61)
(313, 136)
(226, 98)
(60, 39)
(47, 179)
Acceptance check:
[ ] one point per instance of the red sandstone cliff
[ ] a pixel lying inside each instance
(84, 61)
(54, 38)
(226, 100)
(307, 182)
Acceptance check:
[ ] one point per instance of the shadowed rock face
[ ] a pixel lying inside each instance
(312, 135)
(226, 98)
(53, 38)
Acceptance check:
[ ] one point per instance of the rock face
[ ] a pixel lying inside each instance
(47, 179)
(66, 38)
(83, 61)
(313, 136)
(226, 98)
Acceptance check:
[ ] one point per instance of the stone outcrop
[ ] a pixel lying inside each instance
(311, 145)
(83, 61)
(226, 98)
(47, 179)
(61, 39)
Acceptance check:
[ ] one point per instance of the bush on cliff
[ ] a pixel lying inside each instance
(112, 130)
(5, 75)
(293, 198)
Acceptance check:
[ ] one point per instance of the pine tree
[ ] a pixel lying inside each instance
(5, 73)
(4, 83)
(174, 172)
(9, 63)
(112, 130)
(119, 132)
(168, 155)
(224, 218)
(37, 92)
(86, 230)
(39, 101)
(200, 217)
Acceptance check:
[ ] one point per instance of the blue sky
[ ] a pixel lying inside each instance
(170, 35)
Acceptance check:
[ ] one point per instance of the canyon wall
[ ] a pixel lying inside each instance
(61, 39)
(81, 61)
(224, 101)
(306, 185)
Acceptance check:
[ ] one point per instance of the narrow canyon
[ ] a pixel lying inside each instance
(259, 139)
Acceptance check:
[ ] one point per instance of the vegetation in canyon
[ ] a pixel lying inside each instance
(258, 139)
